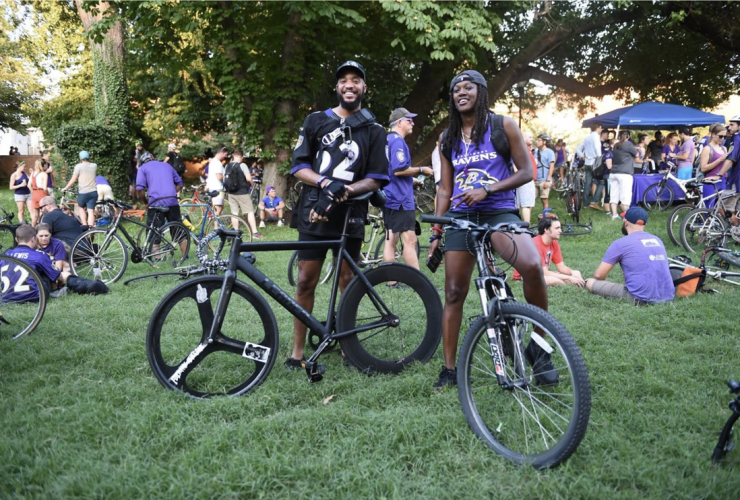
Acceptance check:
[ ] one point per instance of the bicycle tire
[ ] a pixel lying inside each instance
(175, 245)
(730, 258)
(575, 229)
(578, 205)
(657, 190)
(378, 254)
(177, 335)
(21, 309)
(414, 300)
(424, 202)
(568, 202)
(673, 223)
(724, 443)
(226, 222)
(91, 250)
(701, 229)
(326, 271)
(7, 237)
(497, 416)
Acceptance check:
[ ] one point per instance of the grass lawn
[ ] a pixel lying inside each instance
(83, 416)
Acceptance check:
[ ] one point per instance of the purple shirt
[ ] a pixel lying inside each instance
(668, 149)
(18, 286)
(733, 176)
(160, 179)
(271, 202)
(645, 266)
(99, 179)
(400, 192)
(474, 166)
(55, 250)
(688, 145)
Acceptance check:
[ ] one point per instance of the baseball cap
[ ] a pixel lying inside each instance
(399, 113)
(469, 75)
(636, 215)
(351, 64)
(735, 118)
(171, 146)
(544, 137)
(84, 155)
(269, 188)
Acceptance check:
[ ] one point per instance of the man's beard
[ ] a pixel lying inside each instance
(351, 106)
(624, 230)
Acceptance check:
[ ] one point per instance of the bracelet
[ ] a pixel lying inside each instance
(435, 237)
(421, 170)
(321, 179)
(438, 230)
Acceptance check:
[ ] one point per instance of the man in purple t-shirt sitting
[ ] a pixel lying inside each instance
(647, 279)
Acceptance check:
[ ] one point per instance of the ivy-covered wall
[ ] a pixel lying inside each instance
(108, 146)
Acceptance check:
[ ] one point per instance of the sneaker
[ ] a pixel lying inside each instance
(280, 223)
(446, 377)
(262, 224)
(541, 363)
(60, 293)
(258, 236)
(294, 364)
(616, 217)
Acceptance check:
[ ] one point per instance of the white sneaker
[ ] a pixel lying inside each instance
(280, 223)
(262, 223)
(60, 293)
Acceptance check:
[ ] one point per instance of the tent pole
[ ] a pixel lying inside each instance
(617, 135)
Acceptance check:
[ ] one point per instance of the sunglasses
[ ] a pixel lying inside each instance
(721, 135)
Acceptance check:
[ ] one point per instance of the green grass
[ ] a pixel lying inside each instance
(83, 416)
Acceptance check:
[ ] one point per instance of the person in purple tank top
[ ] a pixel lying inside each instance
(477, 184)
(713, 156)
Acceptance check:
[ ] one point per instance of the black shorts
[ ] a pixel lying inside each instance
(458, 239)
(354, 245)
(171, 215)
(399, 221)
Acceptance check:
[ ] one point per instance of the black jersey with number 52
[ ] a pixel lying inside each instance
(344, 150)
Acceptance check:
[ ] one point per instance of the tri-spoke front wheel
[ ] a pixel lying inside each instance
(526, 423)
(239, 356)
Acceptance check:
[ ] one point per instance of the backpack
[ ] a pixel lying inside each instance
(178, 164)
(498, 137)
(232, 177)
(688, 280)
(698, 174)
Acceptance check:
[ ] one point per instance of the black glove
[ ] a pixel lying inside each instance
(334, 190)
(324, 206)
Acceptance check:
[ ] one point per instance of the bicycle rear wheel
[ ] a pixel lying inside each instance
(657, 196)
(22, 297)
(170, 243)
(230, 222)
(413, 301)
(237, 361)
(424, 202)
(326, 271)
(673, 224)
(95, 249)
(194, 213)
(7, 237)
(399, 249)
(530, 423)
(701, 229)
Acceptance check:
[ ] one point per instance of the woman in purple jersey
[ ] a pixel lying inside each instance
(477, 184)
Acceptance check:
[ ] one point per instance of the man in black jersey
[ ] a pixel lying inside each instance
(340, 152)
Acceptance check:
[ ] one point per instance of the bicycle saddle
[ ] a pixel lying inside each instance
(160, 209)
(710, 181)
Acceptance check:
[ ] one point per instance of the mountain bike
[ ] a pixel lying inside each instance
(216, 335)
(673, 223)
(725, 443)
(706, 227)
(367, 255)
(22, 297)
(101, 254)
(659, 195)
(502, 398)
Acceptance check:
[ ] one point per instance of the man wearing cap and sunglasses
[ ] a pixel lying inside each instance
(399, 212)
(647, 278)
(340, 152)
(215, 181)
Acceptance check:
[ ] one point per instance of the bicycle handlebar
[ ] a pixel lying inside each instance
(505, 227)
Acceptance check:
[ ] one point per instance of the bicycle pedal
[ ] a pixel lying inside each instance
(315, 371)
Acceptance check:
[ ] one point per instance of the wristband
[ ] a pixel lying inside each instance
(435, 237)
(421, 170)
(321, 179)
(438, 230)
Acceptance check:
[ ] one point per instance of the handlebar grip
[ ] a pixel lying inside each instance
(435, 219)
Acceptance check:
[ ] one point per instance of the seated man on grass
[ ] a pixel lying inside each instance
(647, 278)
(271, 208)
(549, 229)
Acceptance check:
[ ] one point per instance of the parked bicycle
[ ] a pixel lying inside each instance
(706, 227)
(725, 443)
(673, 223)
(573, 192)
(717, 262)
(424, 194)
(22, 297)
(502, 400)
(208, 221)
(7, 229)
(216, 335)
(294, 192)
(194, 210)
(101, 253)
(659, 195)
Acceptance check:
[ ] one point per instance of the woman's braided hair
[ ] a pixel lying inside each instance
(482, 110)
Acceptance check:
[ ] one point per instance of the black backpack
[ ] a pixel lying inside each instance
(178, 164)
(498, 137)
(232, 175)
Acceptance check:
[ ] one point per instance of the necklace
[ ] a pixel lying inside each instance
(467, 148)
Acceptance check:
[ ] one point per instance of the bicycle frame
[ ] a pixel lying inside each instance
(117, 226)
(326, 332)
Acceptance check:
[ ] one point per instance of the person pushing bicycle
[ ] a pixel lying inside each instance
(340, 152)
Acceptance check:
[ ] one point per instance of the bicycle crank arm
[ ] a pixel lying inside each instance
(314, 370)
